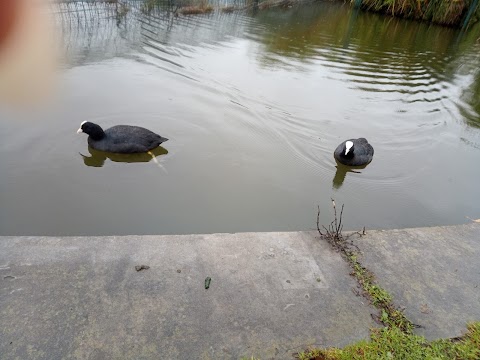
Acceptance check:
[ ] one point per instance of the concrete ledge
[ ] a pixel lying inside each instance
(271, 294)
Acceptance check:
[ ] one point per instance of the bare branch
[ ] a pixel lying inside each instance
(335, 214)
(340, 222)
(318, 221)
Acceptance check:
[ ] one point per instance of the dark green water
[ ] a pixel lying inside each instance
(253, 105)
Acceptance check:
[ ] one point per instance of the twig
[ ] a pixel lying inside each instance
(340, 226)
(318, 221)
(335, 214)
(332, 233)
(363, 233)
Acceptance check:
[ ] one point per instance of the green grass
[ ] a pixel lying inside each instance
(393, 343)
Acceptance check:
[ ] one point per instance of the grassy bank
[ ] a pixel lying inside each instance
(392, 343)
(444, 12)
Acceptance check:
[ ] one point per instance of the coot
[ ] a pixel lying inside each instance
(123, 139)
(354, 152)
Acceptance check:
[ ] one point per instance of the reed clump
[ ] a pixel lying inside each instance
(445, 12)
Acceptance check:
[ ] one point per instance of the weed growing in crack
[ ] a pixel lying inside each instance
(390, 315)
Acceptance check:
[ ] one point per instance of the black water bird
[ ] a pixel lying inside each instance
(354, 152)
(121, 139)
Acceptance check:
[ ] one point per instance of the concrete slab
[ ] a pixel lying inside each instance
(434, 273)
(271, 295)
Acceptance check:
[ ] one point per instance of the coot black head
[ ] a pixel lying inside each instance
(93, 130)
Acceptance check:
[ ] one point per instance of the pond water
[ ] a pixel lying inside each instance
(254, 105)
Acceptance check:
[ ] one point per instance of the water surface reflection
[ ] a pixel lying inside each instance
(341, 173)
(97, 158)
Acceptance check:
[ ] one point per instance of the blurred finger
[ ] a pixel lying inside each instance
(27, 52)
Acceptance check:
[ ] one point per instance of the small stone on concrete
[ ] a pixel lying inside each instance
(142, 267)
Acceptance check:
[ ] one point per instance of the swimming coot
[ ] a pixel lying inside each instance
(123, 139)
(354, 152)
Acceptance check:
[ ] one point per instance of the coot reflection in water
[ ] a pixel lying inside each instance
(97, 158)
(342, 171)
